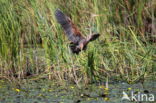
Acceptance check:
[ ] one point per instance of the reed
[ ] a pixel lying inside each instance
(32, 43)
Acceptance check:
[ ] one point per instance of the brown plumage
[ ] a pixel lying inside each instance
(78, 42)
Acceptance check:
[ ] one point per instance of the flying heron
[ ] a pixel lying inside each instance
(78, 42)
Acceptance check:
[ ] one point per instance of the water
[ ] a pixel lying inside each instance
(46, 91)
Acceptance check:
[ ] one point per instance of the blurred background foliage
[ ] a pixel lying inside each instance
(33, 44)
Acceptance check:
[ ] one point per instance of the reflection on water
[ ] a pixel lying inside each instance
(45, 91)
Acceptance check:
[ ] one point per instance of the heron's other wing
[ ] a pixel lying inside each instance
(70, 29)
(92, 37)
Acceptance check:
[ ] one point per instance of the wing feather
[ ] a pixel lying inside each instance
(70, 29)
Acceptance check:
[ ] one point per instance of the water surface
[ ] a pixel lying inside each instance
(46, 91)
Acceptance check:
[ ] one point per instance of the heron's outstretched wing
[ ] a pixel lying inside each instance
(70, 29)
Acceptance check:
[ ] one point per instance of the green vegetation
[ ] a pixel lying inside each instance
(126, 49)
